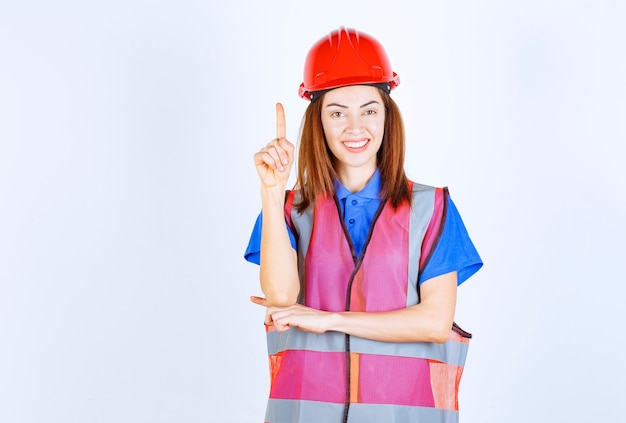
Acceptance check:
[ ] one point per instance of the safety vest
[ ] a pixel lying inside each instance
(335, 377)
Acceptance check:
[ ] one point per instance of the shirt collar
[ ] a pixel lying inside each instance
(371, 190)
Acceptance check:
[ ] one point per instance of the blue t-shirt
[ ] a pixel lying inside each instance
(455, 250)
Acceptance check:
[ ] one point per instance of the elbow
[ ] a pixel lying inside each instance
(281, 299)
(280, 293)
(440, 334)
(440, 337)
(437, 334)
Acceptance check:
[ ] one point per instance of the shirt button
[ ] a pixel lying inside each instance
(351, 221)
(354, 202)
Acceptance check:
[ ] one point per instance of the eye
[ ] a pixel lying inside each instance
(337, 114)
(370, 112)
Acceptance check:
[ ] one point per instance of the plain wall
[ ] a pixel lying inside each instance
(128, 192)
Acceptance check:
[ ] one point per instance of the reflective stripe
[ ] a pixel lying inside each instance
(399, 414)
(295, 339)
(451, 352)
(281, 411)
(422, 206)
(302, 224)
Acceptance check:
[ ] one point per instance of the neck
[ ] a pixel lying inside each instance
(355, 179)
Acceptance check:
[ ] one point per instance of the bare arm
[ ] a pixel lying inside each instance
(278, 269)
(428, 321)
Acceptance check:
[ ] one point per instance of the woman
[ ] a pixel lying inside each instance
(359, 266)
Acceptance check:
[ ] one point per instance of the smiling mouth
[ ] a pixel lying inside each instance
(355, 144)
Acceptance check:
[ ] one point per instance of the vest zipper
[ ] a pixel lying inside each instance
(357, 266)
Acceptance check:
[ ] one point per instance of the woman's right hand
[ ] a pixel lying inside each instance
(273, 162)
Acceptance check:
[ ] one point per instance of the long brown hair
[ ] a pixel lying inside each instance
(316, 170)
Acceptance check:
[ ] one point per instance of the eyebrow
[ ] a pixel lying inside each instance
(345, 107)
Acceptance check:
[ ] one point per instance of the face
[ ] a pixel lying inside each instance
(353, 118)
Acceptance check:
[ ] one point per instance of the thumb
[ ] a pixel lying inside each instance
(259, 300)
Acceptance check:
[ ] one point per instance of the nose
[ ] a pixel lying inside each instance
(355, 124)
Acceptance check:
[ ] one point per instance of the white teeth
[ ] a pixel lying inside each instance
(355, 144)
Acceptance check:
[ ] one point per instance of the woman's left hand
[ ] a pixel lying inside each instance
(296, 315)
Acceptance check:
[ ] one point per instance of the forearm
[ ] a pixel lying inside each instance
(412, 324)
(429, 321)
(278, 265)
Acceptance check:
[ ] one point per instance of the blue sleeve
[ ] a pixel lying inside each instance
(455, 250)
(253, 252)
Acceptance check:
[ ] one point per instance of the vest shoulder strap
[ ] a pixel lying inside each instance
(291, 197)
(435, 227)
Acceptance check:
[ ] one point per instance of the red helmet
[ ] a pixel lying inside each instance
(346, 57)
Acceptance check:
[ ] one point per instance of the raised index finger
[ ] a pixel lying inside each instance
(281, 131)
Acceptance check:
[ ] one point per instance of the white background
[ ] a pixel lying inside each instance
(127, 195)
